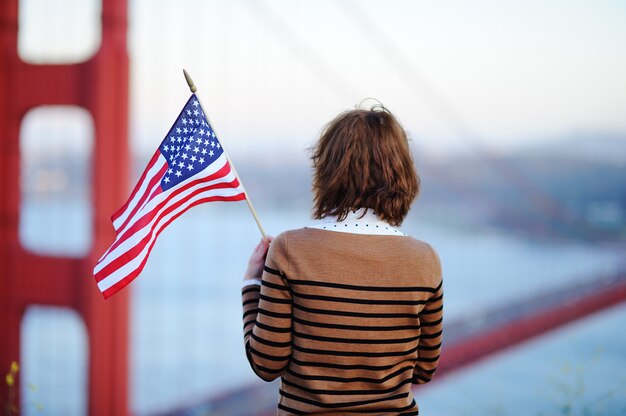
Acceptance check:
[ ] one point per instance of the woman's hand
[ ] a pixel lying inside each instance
(257, 259)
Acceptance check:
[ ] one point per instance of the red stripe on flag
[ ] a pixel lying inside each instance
(147, 217)
(146, 197)
(130, 254)
(126, 280)
(120, 211)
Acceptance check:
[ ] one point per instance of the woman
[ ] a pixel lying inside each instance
(348, 312)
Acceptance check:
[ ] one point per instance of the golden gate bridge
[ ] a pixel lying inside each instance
(100, 85)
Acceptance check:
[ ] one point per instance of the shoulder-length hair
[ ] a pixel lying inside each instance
(363, 160)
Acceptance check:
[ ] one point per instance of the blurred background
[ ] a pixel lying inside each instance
(516, 112)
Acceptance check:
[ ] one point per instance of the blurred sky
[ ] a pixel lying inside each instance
(499, 74)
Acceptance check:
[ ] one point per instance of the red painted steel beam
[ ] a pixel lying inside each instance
(480, 345)
(100, 85)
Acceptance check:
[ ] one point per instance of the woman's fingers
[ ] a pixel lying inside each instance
(257, 259)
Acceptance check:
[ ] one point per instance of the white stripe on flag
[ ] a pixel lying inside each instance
(142, 232)
(117, 223)
(132, 265)
(150, 209)
(150, 204)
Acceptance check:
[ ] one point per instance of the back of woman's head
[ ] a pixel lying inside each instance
(363, 160)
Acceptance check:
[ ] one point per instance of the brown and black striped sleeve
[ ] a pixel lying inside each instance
(429, 347)
(267, 310)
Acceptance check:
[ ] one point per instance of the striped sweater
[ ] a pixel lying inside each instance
(348, 321)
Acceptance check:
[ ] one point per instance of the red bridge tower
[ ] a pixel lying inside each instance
(99, 85)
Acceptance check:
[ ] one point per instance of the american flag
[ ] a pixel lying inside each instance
(189, 168)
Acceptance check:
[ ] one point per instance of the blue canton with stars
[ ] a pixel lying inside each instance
(190, 146)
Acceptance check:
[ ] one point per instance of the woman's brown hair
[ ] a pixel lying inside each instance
(363, 160)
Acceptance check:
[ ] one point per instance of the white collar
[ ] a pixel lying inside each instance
(369, 223)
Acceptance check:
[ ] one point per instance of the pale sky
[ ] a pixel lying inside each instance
(270, 73)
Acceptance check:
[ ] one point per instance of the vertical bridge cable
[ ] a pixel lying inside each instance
(298, 48)
(423, 89)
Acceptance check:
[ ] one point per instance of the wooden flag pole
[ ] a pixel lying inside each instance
(193, 89)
